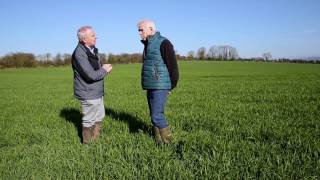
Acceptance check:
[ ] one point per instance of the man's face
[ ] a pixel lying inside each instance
(145, 31)
(90, 39)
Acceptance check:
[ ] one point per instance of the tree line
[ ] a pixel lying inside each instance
(219, 53)
(29, 60)
(230, 53)
(214, 53)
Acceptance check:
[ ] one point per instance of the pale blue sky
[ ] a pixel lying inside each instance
(286, 28)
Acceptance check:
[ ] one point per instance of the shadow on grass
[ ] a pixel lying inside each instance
(73, 116)
(135, 124)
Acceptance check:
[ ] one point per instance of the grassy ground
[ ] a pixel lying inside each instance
(231, 120)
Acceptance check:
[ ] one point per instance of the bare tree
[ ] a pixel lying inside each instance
(267, 56)
(48, 56)
(201, 53)
(190, 55)
(57, 60)
(103, 57)
(67, 59)
(223, 52)
(213, 52)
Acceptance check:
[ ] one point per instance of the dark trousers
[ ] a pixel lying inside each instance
(156, 101)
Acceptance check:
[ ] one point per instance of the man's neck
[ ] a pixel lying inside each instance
(90, 48)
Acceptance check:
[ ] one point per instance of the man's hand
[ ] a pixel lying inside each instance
(107, 67)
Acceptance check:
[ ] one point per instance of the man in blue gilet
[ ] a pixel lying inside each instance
(159, 76)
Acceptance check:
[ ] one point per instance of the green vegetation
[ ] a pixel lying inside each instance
(231, 120)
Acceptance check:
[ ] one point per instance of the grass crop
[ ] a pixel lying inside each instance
(230, 120)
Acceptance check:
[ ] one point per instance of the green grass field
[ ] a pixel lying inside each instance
(231, 120)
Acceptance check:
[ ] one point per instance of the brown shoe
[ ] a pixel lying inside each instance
(86, 134)
(96, 130)
(157, 135)
(166, 135)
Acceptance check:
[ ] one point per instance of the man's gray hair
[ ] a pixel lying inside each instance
(82, 32)
(148, 23)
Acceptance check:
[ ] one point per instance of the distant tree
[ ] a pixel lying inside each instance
(178, 56)
(190, 55)
(125, 58)
(16, 60)
(103, 57)
(267, 56)
(136, 58)
(223, 53)
(1, 63)
(57, 60)
(48, 57)
(66, 59)
(28, 59)
(201, 53)
(213, 53)
(45, 60)
(111, 58)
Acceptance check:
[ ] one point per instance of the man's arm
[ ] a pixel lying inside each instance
(169, 58)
